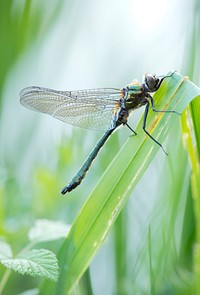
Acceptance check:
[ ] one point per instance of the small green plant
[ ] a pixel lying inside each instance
(34, 262)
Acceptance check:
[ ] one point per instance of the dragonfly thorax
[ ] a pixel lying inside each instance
(122, 116)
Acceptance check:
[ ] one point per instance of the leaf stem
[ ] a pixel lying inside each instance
(4, 280)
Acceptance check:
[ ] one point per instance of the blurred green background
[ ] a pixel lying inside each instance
(68, 45)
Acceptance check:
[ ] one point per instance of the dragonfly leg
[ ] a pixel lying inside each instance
(164, 77)
(135, 133)
(160, 111)
(144, 128)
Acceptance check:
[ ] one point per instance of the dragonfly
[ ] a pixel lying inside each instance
(100, 109)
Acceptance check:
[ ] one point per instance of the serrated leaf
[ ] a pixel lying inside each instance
(5, 250)
(40, 262)
(48, 230)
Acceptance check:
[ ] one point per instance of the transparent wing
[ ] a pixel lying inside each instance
(93, 108)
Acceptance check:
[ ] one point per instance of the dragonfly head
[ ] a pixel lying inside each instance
(152, 83)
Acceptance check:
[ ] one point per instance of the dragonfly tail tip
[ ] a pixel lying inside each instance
(64, 190)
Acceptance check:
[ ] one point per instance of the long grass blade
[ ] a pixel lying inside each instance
(100, 211)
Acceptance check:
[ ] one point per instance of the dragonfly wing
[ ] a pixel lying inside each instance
(93, 108)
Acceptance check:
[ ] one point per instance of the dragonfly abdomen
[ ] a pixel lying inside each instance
(76, 180)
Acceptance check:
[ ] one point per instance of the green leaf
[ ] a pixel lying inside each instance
(100, 211)
(48, 230)
(190, 128)
(41, 263)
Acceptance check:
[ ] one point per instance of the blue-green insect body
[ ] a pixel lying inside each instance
(101, 109)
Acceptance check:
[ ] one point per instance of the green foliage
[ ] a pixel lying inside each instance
(34, 262)
(42, 263)
(19, 26)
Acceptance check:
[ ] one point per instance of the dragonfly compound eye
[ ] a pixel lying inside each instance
(151, 82)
